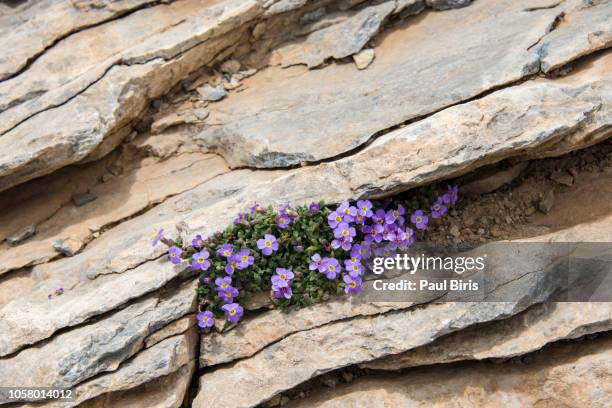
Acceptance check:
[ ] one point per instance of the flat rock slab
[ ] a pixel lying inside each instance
(515, 336)
(77, 355)
(421, 67)
(574, 374)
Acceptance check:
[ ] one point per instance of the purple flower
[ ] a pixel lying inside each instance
(334, 218)
(157, 237)
(245, 259)
(200, 260)
(395, 215)
(332, 268)
(343, 230)
(254, 208)
(49, 296)
(419, 219)
(225, 251)
(364, 207)
(282, 278)
(267, 244)
(283, 221)
(206, 280)
(241, 219)
(316, 263)
(198, 241)
(360, 251)
(347, 211)
(360, 219)
(353, 267)
(283, 292)
(205, 319)
(59, 291)
(228, 294)
(232, 265)
(284, 209)
(385, 251)
(342, 242)
(438, 208)
(313, 207)
(233, 311)
(174, 254)
(223, 283)
(379, 217)
(353, 284)
(451, 196)
(373, 233)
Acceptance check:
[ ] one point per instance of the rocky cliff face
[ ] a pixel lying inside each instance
(121, 117)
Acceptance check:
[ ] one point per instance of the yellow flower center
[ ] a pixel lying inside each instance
(352, 285)
(395, 214)
(172, 254)
(226, 252)
(200, 242)
(345, 232)
(364, 208)
(338, 218)
(268, 244)
(418, 219)
(228, 295)
(332, 268)
(205, 319)
(232, 312)
(224, 285)
(200, 260)
(244, 258)
(282, 276)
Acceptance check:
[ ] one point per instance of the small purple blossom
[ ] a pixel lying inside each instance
(283, 292)
(206, 280)
(255, 208)
(228, 294)
(200, 260)
(352, 284)
(342, 242)
(174, 254)
(395, 215)
(343, 230)
(347, 211)
(451, 196)
(225, 251)
(360, 251)
(283, 220)
(334, 218)
(364, 208)
(313, 207)
(233, 312)
(59, 291)
(373, 233)
(241, 219)
(158, 237)
(223, 283)
(379, 217)
(353, 267)
(316, 263)
(282, 278)
(267, 244)
(419, 219)
(198, 241)
(438, 208)
(284, 209)
(245, 259)
(232, 265)
(332, 268)
(205, 319)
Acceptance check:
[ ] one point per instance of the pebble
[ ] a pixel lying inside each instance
(481, 231)
(562, 178)
(230, 67)
(81, 199)
(201, 113)
(364, 58)
(455, 231)
(21, 235)
(68, 247)
(496, 231)
(547, 201)
(211, 93)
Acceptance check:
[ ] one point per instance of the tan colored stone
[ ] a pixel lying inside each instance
(515, 336)
(568, 375)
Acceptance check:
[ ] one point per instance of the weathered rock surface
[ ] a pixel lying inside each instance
(118, 199)
(515, 336)
(339, 40)
(575, 374)
(420, 69)
(163, 359)
(54, 117)
(77, 355)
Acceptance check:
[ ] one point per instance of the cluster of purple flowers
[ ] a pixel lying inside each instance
(56, 292)
(281, 283)
(331, 268)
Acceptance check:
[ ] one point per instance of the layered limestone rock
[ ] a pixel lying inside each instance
(574, 374)
(522, 334)
(444, 59)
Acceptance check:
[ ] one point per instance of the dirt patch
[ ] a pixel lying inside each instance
(548, 195)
